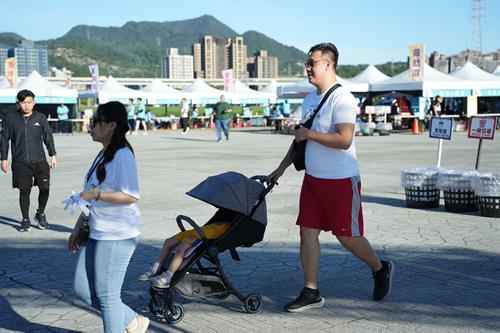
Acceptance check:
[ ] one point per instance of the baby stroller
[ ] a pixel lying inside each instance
(241, 201)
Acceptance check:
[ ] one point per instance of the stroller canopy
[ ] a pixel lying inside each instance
(234, 191)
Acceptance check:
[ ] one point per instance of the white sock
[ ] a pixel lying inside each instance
(168, 275)
(155, 267)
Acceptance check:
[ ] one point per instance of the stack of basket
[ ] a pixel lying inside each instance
(420, 187)
(487, 188)
(384, 128)
(367, 129)
(457, 188)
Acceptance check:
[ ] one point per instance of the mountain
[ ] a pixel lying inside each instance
(136, 48)
(10, 38)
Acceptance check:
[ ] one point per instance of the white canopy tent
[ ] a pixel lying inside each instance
(245, 95)
(7, 94)
(433, 83)
(482, 82)
(158, 92)
(45, 91)
(111, 90)
(362, 81)
(496, 71)
(271, 88)
(202, 93)
(295, 92)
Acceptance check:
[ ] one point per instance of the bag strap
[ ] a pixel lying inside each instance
(309, 122)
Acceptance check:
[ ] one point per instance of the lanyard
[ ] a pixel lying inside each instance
(97, 160)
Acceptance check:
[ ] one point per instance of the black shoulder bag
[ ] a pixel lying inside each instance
(298, 153)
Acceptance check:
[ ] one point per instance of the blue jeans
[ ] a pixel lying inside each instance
(221, 123)
(99, 276)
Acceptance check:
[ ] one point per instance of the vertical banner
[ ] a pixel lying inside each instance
(471, 106)
(11, 71)
(227, 75)
(417, 62)
(94, 72)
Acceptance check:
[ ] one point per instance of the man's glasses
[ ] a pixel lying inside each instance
(309, 63)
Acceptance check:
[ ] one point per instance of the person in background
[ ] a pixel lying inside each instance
(437, 106)
(131, 115)
(184, 115)
(63, 118)
(26, 130)
(141, 117)
(221, 116)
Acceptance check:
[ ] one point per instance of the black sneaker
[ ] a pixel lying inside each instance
(308, 299)
(41, 220)
(383, 280)
(25, 225)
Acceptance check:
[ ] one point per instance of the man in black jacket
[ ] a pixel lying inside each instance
(26, 130)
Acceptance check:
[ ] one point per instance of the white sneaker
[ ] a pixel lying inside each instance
(146, 275)
(139, 324)
(134, 133)
(187, 129)
(161, 281)
(145, 133)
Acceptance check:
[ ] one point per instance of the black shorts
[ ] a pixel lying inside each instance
(24, 176)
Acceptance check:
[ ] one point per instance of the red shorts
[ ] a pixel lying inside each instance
(331, 205)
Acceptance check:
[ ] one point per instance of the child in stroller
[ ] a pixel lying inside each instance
(196, 270)
(184, 243)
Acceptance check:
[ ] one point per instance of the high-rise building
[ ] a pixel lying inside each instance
(176, 66)
(198, 71)
(237, 57)
(217, 54)
(29, 57)
(213, 57)
(265, 66)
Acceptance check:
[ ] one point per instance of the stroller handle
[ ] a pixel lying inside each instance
(263, 180)
(200, 232)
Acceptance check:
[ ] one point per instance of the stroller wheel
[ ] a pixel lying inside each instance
(253, 303)
(155, 308)
(174, 319)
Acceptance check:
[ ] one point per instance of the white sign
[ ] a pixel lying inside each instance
(440, 128)
(482, 127)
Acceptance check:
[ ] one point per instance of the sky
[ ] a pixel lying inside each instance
(365, 31)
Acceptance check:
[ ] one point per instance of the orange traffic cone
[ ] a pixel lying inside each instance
(414, 127)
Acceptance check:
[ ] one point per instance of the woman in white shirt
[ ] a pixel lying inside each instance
(111, 186)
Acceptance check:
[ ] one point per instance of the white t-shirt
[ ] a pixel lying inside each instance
(185, 110)
(322, 161)
(110, 221)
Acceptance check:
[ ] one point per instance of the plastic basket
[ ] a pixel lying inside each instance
(489, 206)
(422, 196)
(460, 200)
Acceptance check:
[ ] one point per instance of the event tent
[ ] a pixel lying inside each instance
(202, 93)
(496, 71)
(433, 83)
(482, 82)
(45, 91)
(111, 90)
(158, 92)
(245, 95)
(362, 81)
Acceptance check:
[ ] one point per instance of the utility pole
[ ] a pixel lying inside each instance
(476, 43)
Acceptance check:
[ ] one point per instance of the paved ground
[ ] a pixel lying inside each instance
(447, 264)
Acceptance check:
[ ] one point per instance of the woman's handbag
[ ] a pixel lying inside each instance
(298, 153)
(84, 232)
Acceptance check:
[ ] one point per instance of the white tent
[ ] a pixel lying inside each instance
(7, 94)
(482, 82)
(298, 90)
(158, 92)
(362, 81)
(202, 93)
(496, 71)
(111, 90)
(433, 83)
(47, 92)
(245, 95)
(4, 83)
(271, 88)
